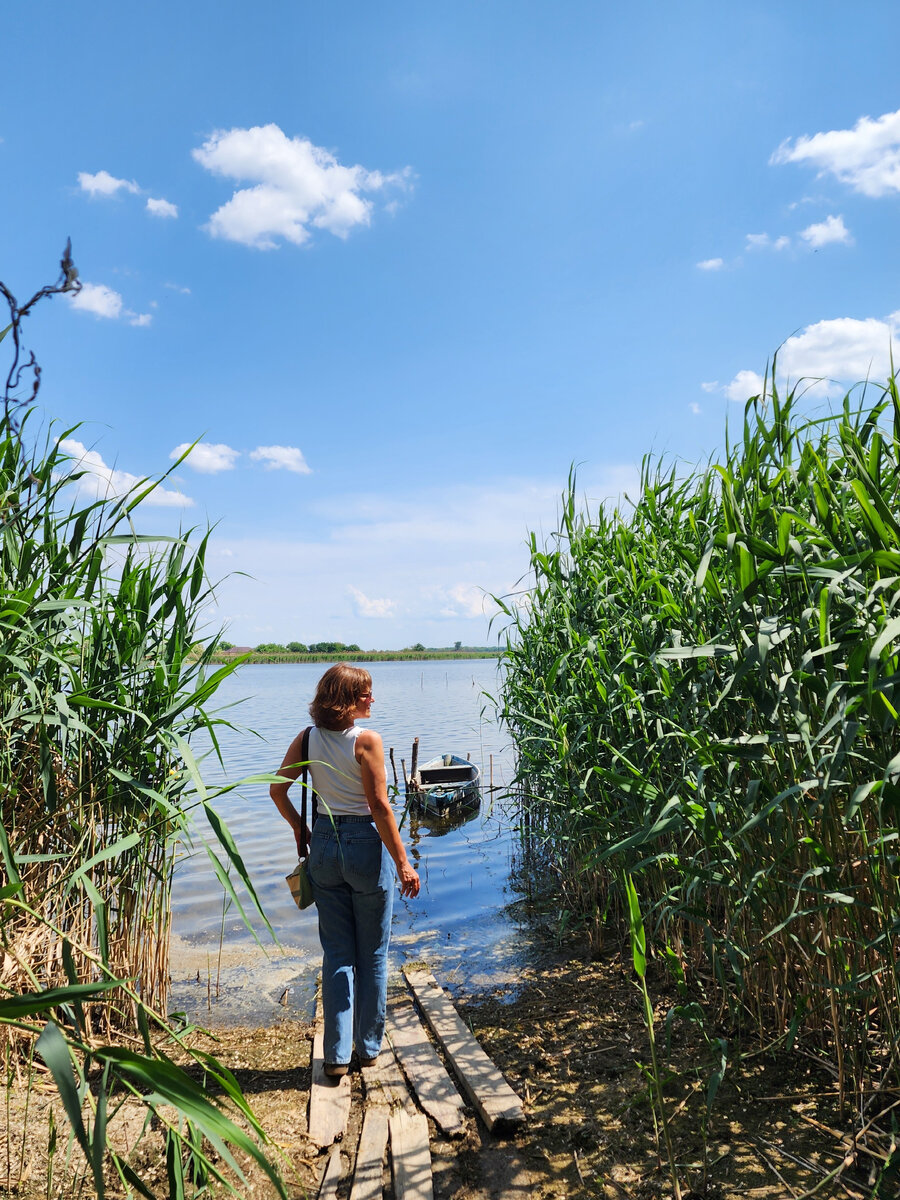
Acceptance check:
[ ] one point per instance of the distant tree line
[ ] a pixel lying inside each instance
(302, 648)
(344, 648)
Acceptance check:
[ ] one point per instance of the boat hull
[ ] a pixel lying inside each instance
(446, 783)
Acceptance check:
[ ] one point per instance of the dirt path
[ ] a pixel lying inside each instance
(570, 1042)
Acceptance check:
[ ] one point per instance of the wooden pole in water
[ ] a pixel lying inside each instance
(492, 772)
(394, 768)
(414, 762)
(405, 776)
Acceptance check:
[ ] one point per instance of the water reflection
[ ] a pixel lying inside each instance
(457, 924)
(425, 822)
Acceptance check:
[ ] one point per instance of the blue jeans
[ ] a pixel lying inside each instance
(352, 878)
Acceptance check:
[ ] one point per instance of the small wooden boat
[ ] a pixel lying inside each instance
(445, 783)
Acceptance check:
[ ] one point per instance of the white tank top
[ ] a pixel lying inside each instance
(335, 773)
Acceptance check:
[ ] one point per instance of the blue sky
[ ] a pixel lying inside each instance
(398, 266)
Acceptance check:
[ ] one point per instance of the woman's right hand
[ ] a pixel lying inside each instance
(409, 880)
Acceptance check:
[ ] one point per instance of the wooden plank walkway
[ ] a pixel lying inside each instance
(496, 1102)
(331, 1177)
(391, 1114)
(370, 1156)
(411, 1156)
(386, 1090)
(329, 1099)
(385, 1085)
(425, 1071)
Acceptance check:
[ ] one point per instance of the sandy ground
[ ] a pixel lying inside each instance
(569, 1036)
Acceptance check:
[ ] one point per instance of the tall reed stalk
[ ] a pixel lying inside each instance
(703, 690)
(104, 679)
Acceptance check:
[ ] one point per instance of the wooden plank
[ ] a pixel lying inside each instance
(423, 1068)
(496, 1102)
(329, 1099)
(331, 1176)
(385, 1085)
(411, 1157)
(370, 1156)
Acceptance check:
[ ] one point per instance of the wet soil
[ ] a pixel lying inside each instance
(570, 1039)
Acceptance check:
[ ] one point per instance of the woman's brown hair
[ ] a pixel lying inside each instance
(337, 694)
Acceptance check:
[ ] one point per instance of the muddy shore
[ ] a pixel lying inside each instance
(569, 1037)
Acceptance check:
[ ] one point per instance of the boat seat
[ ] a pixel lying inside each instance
(457, 774)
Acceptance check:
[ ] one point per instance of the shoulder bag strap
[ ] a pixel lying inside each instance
(304, 755)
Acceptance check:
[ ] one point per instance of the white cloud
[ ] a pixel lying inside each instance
(695, 408)
(103, 301)
(287, 458)
(466, 600)
(762, 241)
(844, 349)
(711, 264)
(711, 386)
(367, 607)
(104, 482)
(807, 200)
(744, 385)
(832, 229)
(161, 208)
(867, 157)
(208, 457)
(295, 186)
(839, 352)
(428, 550)
(177, 287)
(104, 184)
(98, 299)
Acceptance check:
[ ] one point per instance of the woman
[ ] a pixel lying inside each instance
(353, 840)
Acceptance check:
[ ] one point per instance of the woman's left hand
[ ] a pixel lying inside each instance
(409, 880)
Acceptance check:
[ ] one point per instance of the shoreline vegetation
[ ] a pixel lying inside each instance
(256, 657)
(705, 694)
(104, 683)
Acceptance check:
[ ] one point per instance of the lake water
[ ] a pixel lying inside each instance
(458, 924)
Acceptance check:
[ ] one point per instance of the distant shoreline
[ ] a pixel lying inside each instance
(361, 656)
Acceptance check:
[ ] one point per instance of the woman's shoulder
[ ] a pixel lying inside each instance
(367, 739)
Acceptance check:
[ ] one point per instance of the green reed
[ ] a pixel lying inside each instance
(105, 677)
(100, 697)
(703, 692)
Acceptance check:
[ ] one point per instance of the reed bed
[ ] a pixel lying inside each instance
(100, 698)
(363, 656)
(703, 691)
(104, 678)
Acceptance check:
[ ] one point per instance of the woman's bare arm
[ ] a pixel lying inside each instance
(370, 756)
